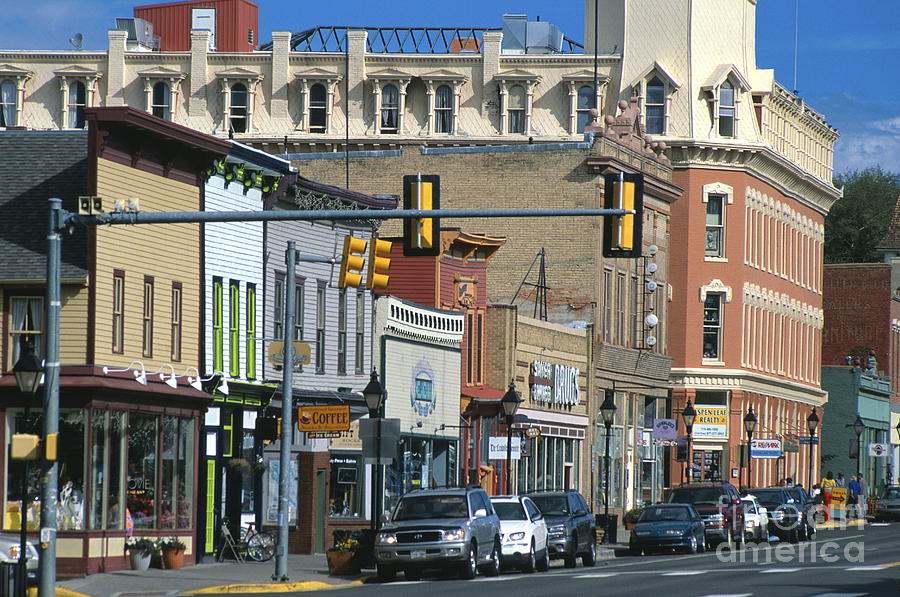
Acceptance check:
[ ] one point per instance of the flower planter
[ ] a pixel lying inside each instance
(140, 560)
(342, 563)
(173, 559)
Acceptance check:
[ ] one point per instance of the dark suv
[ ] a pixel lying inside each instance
(719, 505)
(440, 529)
(571, 529)
(786, 520)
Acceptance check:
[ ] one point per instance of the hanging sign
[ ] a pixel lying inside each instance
(323, 418)
(878, 450)
(765, 448)
(664, 429)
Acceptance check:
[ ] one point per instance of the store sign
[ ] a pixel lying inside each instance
(711, 421)
(497, 448)
(664, 429)
(421, 396)
(765, 448)
(878, 450)
(791, 444)
(554, 384)
(323, 418)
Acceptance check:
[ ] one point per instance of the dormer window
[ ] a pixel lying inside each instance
(238, 108)
(12, 94)
(516, 96)
(516, 111)
(443, 88)
(76, 105)
(77, 86)
(318, 108)
(239, 94)
(443, 109)
(389, 100)
(160, 105)
(655, 107)
(582, 98)
(390, 108)
(584, 104)
(726, 109)
(161, 88)
(654, 89)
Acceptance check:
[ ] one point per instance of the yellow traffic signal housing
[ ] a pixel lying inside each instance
(623, 235)
(352, 262)
(421, 236)
(25, 446)
(379, 264)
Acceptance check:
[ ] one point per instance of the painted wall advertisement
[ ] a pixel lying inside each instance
(554, 384)
(711, 421)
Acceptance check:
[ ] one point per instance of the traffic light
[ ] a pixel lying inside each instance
(622, 235)
(352, 262)
(421, 236)
(379, 264)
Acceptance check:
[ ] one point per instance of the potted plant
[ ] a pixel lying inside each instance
(631, 516)
(140, 550)
(172, 552)
(342, 560)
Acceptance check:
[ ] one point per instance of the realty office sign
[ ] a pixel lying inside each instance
(765, 448)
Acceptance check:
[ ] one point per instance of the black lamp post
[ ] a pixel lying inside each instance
(608, 413)
(29, 374)
(689, 414)
(749, 427)
(374, 395)
(858, 428)
(812, 421)
(509, 404)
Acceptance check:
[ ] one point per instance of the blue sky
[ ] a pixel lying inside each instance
(847, 62)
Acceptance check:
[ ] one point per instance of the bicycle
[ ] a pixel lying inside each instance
(252, 544)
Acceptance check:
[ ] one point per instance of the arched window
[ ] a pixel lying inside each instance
(318, 109)
(238, 115)
(516, 109)
(655, 107)
(159, 101)
(77, 104)
(8, 103)
(726, 109)
(583, 107)
(443, 109)
(390, 109)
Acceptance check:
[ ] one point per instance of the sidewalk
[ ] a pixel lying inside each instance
(306, 572)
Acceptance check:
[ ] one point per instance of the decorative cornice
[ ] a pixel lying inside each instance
(747, 381)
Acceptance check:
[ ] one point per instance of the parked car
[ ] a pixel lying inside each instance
(440, 529)
(888, 507)
(668, 526)
(10, 543)
(571, 529)
(756, 520)
(523, 533)
(719, 505)
(785, 518)
(803, 502)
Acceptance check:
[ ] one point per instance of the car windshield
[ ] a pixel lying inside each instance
(656, 514)
(509, 510)
(769, 498)
(892, 493)
(431, 506)
(699, 497)
(551, 505)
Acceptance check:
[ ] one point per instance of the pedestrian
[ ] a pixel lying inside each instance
(789, 482)
(861, 505)
(827, 484)
(853, 496)
(840, 481)
(817, 499)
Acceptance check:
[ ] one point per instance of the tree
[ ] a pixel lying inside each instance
(859, 220)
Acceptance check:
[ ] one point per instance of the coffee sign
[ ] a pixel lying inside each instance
(554, 384)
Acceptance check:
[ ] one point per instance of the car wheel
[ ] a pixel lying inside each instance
(589, 558)
(569, 558)
(492, 568)
(543, 562)
(531, 562)
(386, 573)
(469, 567)
(702, 544)
(412, 574)
(693, 546)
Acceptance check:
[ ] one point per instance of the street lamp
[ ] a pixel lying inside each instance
(688, 413)
(812, 421)
(374, 395)
(608, 413)
(509, 404)
(749, 427)
(29, 374)
(858, 428)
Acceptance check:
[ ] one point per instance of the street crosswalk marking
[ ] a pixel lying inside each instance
(776, 570)
(840, 595)
(865, 568)
(497, 578)
(685, 573)
(729, 595)
(597, 575)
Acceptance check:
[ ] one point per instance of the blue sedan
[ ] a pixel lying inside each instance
(668, 526)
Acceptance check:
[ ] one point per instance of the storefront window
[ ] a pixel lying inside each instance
(115, 488)
(71, 470)
(142, 443)
(345, 498)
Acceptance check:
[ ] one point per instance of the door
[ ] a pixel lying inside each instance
(319, 505)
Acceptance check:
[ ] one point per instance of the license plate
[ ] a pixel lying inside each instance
(417, 554)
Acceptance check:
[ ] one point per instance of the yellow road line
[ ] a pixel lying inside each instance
(313, 585)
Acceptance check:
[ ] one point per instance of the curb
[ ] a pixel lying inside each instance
(840, 524)
(60, 592)
(313, 585)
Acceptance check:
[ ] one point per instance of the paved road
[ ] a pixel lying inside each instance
(840, 563)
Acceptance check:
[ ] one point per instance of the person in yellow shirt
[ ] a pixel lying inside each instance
(828, 484)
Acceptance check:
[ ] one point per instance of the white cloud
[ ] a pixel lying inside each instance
(889, 125)
(857, 150)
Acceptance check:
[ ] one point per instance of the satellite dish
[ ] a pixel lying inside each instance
(77, 40)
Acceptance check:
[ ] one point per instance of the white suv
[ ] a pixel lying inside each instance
(523, 533)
